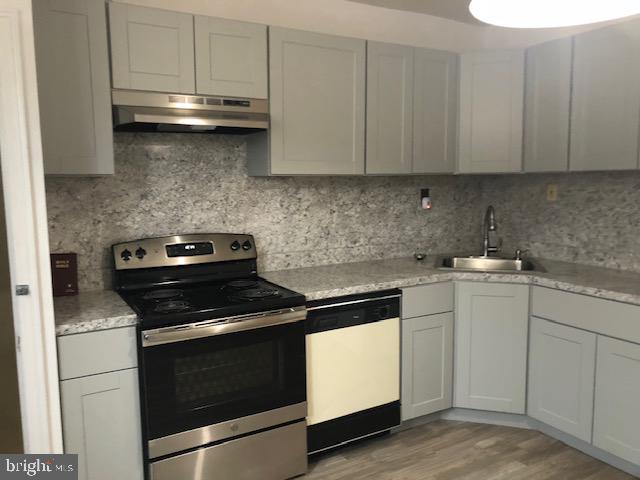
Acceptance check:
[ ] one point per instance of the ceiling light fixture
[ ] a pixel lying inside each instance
(550, 13)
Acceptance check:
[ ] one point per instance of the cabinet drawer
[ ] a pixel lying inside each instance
(607, 317)
(427, 300)
(97, 352)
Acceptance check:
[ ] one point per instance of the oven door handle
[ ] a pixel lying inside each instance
(221, 326)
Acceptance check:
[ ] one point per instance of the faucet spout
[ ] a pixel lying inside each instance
(489, 225)
(490, 219)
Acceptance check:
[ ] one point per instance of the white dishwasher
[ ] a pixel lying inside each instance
(353, 368)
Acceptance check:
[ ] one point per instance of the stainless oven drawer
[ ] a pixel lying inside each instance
(198, 437)
(272, 455)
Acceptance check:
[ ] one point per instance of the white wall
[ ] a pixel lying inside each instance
(342, 17)
(26, 225)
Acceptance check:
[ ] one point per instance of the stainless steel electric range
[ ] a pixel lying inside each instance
(221, 359)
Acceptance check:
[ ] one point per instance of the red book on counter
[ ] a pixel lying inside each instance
(64, 273)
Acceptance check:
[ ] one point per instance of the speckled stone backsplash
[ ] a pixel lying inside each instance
(185, 183)
(595, 221)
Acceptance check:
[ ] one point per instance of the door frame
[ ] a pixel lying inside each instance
(27, 235)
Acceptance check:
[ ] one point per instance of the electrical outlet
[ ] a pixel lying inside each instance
(552, 192)
(425, 199)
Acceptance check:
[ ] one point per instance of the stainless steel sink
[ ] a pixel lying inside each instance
(487, 264)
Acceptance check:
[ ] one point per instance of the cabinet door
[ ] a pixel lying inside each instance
(561, 377)
(231, 58)
(547, 104)
(606, 99)
(101, 423)
(427, 364)
(616, 426)
(389, 108)
(73, 85)
(435, 104)
(491, 103)
(317, 103)
(151, 49)
(491, 346)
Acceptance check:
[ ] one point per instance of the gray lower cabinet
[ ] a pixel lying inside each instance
(317, 106)
(616, 426)
(101, 423)
(547, 105)
(491, 346)
(427, 349)
(561, 377)
(389, 108)
(427, 364)
(74, 93)
(100, 403)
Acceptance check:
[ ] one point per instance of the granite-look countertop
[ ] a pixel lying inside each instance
(90, 311)
(350, 278)
(101, 310)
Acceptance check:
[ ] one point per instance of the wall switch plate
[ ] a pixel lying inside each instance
(552, 192)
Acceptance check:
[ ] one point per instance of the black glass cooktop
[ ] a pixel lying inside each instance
(161, 306)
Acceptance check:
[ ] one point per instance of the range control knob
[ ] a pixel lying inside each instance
(140, 253)
(125, 255)
(235, 246)
(246, 245)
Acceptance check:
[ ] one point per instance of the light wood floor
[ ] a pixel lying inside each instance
(448, 450)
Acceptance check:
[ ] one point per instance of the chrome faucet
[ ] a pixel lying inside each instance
(489, 225)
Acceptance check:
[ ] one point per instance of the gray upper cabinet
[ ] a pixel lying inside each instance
(491, 107)
(73, 84)
(547, 105)
(317, 103)
(435, 103)
(151, 49)
(231, 58)
(389, 108)
(606, 99)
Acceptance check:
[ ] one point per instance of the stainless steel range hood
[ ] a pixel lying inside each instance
(169, 112)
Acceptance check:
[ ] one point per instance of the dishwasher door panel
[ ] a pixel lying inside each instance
(352, 369)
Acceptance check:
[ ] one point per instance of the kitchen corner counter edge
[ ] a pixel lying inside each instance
(101, 310)
(92, 311)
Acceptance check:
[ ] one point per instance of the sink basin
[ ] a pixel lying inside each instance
(487, 264)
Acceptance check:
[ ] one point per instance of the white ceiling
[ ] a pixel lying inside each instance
(457, 10)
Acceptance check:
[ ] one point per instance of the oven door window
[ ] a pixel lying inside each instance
(201, 382)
